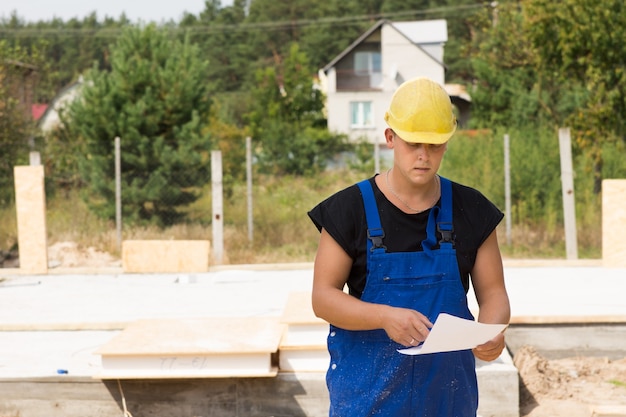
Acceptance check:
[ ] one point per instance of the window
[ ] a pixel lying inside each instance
(367, 63)
(361, 114)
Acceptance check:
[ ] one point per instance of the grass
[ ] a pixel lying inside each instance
(8, 228)
(282, 232)
(618, 383)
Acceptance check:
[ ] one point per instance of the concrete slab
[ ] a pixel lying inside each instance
(498, 387)
(57, 321)
(47, 354)
(106, 302)
(558, 293)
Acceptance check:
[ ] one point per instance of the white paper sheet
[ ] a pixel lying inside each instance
(450, 333)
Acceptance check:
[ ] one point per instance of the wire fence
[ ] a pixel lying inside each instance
(78, 236)
(130, 205)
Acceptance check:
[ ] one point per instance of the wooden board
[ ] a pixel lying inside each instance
(299, 309)
(193, 348)
(30, 202)
(613, 221)
(303, 327)
(149, 256)
(304, 359)
(608, 411)
(303, 346)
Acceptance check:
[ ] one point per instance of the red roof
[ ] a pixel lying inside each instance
(37, 110)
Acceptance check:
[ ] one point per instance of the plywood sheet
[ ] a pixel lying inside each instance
(304, 360)
(187, 348)
(30, 202)
(298, 309)
(303, 346)
(153, 256)
(614, 223)
(218, 335)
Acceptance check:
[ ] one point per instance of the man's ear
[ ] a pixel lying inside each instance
(390, 135)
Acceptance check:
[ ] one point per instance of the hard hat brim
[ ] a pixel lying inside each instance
(424, 137)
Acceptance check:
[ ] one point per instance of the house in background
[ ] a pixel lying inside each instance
(360, 81)
(18, 81)
(50, 119)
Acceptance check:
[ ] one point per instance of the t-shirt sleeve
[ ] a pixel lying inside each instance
(480, 214)
(476, 218)
(341, 215)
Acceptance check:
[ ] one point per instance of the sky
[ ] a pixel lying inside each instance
(136, 10)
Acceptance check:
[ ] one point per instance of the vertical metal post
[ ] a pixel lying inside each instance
(34, 158)
(507, 187)
(376, 157)
(494, 13)
(567, 186)
(249, 183)
(217, 224)
(118, 193)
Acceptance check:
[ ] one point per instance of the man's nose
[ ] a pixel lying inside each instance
(423, 150)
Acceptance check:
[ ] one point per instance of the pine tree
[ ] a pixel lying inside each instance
(155, 99)
(288, 119)
(17, 74)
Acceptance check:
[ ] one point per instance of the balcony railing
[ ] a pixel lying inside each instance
(350, 80)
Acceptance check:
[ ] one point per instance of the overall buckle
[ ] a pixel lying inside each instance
(376, 236)
(446, 232)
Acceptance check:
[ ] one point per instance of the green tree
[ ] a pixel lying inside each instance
(220, 34)
(505, 91)
(155, 99)
(18, 74)
(395, 6)
(287, 120)
(231, 141)
(278, 24)
(333, 26)
(70, 48)
(465, 19)
(580, 43)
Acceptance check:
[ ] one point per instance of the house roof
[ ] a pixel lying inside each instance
(37, 110)
(458, 90)
(418, 32)
(353, 45)
(20, 64)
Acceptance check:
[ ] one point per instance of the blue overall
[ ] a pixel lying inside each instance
(367, 376)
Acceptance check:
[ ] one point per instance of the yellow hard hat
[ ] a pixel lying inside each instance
(421, 112)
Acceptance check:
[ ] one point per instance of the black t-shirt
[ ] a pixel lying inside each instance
(474, 218)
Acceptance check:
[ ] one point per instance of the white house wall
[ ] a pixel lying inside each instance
(51, 119)
(339, 113)
(400, 56)
(434, 50)
(329, 80)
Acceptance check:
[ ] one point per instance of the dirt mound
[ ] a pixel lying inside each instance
(569, 387)
(69, 254)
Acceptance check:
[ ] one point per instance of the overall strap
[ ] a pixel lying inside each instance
(441, 218)
(444, 221)
(375, 233)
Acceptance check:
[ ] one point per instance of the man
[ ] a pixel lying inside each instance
(406, 244)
